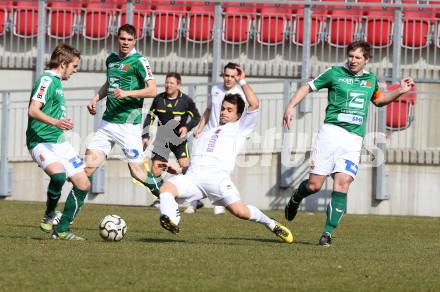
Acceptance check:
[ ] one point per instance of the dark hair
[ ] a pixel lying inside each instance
(175, 75)
(237, 100)
(231, 65)
(128, 28)
(63, 53)
(365, 46)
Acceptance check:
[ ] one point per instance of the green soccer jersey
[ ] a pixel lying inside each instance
(349, 97)
(49, 91)
(129, 73)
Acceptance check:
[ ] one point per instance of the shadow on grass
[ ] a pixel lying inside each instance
(160, 240)
(275, 241)
(24, 237)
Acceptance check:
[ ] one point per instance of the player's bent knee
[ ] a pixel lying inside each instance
(84, 185)
(168, 187)
(314, 187)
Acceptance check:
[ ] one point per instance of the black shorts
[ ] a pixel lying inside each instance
(180, 151)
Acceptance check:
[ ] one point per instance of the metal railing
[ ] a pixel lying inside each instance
(418, 132)
(268, 39)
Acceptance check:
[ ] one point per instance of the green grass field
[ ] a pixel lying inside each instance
(218, 253)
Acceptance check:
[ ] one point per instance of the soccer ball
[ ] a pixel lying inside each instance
(112, 228)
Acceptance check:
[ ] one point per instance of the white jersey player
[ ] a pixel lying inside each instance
(212, 161)
(211, 116)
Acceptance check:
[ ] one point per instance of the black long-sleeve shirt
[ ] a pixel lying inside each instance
(181, 109)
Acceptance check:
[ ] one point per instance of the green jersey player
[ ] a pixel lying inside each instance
(129, 81)
(45, 138)
(337, 149)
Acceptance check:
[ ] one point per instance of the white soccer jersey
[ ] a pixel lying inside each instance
(215, 100)
(217, 149)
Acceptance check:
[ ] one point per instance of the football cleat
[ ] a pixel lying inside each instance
(66, 235)
(189, 210)
(283, 232)
(291, 208)
(219, 210)
(326, 239)
(46, 223)
(169, 225)
(199, 204)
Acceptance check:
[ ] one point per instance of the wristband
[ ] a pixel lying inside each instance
(242, 82)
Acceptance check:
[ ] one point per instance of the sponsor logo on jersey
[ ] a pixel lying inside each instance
(124, 67)
(149, 72)
(366, 83)
(41, 157)
(346, 80)
(59, 92)
(41, 92)
(212, 141)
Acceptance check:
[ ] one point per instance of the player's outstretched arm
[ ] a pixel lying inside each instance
(102, 93)
(34, 112)
(203, 120)
(251, 97)
(149, 91)
(385, 98)
(294, 101)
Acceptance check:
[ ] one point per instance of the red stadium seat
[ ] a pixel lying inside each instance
(398, 116)
(379, 24)
(417, 27)
(237, 22)
(379, 28)
(200, 23)
(399, 113)
(298, 27)
(26, 19)
(167, 22)
(272, 23)
(3, 18)
(98, 20)
(140, 18)
(342, 27)
(62, 18)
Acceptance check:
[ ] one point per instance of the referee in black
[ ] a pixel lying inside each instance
(175, 106)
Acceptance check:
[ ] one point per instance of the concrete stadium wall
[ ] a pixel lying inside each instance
(412, 183)
(413, 189)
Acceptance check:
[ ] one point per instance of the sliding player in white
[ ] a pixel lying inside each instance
(212, 161)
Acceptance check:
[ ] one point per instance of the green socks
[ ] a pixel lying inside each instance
(153, 183)
(301, 192)
(335, 209)
(56, 183)
(74, 202)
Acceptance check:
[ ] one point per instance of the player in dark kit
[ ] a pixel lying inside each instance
(177, 115)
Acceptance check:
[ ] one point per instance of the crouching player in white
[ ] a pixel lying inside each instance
(213, 160)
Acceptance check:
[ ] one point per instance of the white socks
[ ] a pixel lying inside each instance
(169, 207)
(260, 217)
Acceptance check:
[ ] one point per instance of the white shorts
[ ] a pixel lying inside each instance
(220, 190)
(128, 136)
(336, 150)
(45, 154)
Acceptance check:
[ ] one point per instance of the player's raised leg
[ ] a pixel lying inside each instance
(305, 189)
(252, 213)
(169, 209)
